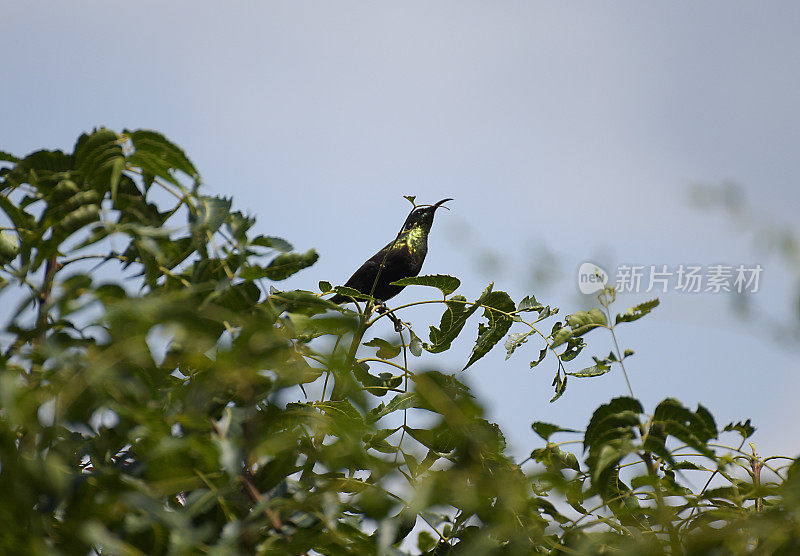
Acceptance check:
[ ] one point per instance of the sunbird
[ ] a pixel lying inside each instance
(401, 258)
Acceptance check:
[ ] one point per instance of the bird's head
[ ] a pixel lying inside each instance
(422, 216)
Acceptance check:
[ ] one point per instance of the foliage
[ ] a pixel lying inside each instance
(168, 400)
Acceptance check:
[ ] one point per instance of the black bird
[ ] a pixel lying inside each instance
(401, 258)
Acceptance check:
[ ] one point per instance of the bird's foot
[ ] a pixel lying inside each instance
(382, 308)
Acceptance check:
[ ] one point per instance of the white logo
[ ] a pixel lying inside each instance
(591, 278)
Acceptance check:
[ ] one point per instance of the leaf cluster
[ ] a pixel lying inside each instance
(159, 394)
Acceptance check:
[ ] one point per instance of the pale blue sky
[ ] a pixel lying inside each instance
(577, 126)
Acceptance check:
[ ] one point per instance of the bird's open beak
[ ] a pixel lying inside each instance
(439, 204)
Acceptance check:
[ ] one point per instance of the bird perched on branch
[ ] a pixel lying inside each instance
(401, 258)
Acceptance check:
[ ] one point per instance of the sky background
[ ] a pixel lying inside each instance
(565, 132)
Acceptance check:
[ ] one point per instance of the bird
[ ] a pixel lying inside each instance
(401, 258)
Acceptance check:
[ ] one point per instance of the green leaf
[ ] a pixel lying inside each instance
(415, 344)
(66, 226)
(239, 297)
(300, 301)
(286, 264)
(238, 224)
(598, 369)
(210, 213)
(637, 311)
(560, 387)
(351, 292)
(584, 321)
(340, 408)
(9, 247)
(307, 328)
(20, 218)
(560, 334)
(99, 158)
(614, 420)
(515, 340)
(376, 385)
(377, 441)
(411, 462)
(272, 242)
(688, 465)
(405, 400)
(441, 441)
(694, 429)
(453, 320)
(542, 355)
(159, 157)
(7, 157)
(447, 284)
(528, 304)
(545, 430)
(609, 454)
(743, 428)
(385, 349)
(497, 308)
(325, 287)
(573, 349)
(555, 459)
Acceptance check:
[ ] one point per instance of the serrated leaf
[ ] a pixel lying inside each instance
(529, 303)
(447, 284)
(453, 320)
(743, 428)
(299, 301)
(694, 429)
(19, 217)
(376, 385)
(614, 420)
(100, 159)
(573, 349)
(705, 427)
(286, 264)
(688, 465)
(600, 368)
(325, 287)
(411, 463)
(584, 321)
(497, 308)
(8, 157)
(555, 459)
(560, 334)
(159, 157)
(272, 242)
(210, 213)
(239, 297)
(637, 311)
(560, 387)
(546, 312)
(541, 357)
(405, 400)
(351, 292)
(238, 224)
(340, 408)
(515, 340)
(545, 430)
(441, 441)
(385, 349)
